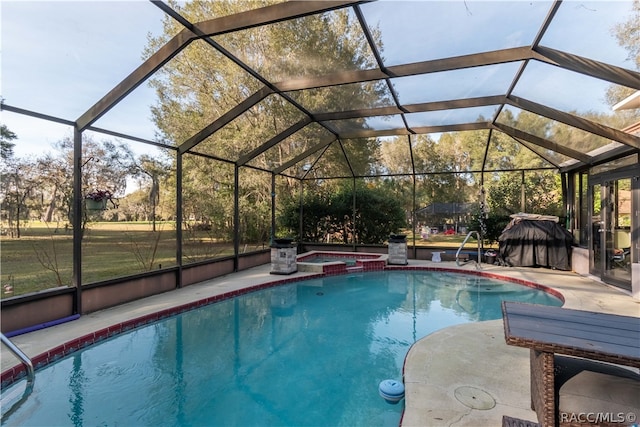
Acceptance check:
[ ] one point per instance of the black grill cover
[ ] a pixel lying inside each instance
(536, 243)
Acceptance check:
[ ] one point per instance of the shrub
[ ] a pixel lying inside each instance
(377, 215)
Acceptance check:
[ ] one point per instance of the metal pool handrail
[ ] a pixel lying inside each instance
(20, 355)
(462, 246)
(30, 375)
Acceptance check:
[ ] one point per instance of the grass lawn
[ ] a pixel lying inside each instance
(42, 258)
(442, 240)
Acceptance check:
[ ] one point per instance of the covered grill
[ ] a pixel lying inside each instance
(536, 241)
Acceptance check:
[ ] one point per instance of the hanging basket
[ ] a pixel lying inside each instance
(95, 205)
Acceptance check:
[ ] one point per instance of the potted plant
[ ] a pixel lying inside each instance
(97, 200)
(397, 238)
(282, 242)
(490, 256)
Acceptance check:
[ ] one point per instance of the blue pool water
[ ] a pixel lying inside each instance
(325, 259)
(310, 353)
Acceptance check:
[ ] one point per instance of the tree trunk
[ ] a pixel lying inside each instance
(52, 205)
(154, 198)
(18, 205)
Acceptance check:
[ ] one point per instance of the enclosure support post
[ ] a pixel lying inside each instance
(413, 208)
(523, 195)
(301, 214)
(567, 182)
(179, 218)
(76, 276)
(273, 209)
(635, 234)
(353, 215)
(413, 218)
(483, 213)
(236, 216)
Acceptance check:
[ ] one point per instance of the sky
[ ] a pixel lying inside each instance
(61, 57)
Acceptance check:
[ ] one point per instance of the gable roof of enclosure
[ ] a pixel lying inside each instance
(434, 80)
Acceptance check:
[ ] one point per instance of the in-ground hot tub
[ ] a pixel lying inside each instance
(340, 262)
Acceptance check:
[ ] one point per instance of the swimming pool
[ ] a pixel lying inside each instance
(305, 353)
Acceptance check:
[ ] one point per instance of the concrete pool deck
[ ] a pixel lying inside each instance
(448, 385)
(444, 380)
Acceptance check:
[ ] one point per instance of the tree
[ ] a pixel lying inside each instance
(628, 35)
(377, 215)
(106, 166)
(199, 85)
(543, 193)
(6, 146)
(42, 188)
(441, 167)
(490, 226)
(20, 180)
(57, 188)
(156, 171)
(9, 170)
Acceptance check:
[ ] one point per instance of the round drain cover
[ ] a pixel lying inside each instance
(474, 398)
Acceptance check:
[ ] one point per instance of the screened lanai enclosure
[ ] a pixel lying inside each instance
(205, 129)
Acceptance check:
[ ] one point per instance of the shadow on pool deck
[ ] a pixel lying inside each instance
(445, 372)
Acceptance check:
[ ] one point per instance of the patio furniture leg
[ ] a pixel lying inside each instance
(517, 422)
(542, 387)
